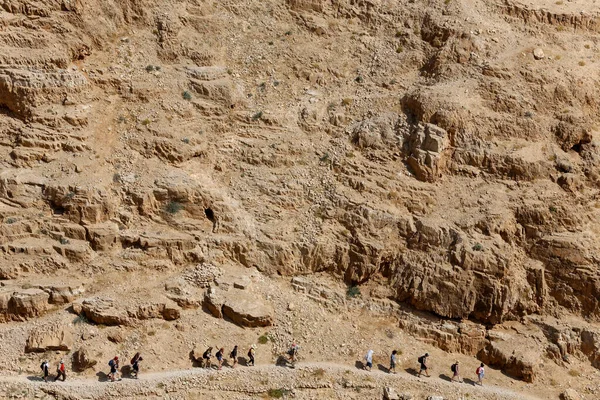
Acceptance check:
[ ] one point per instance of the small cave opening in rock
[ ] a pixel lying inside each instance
(577, 147)
(210, 214)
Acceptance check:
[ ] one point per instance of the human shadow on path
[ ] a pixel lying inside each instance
(470, 381)
(382, 368)
(282, 361)
(359, 365)
(412, 371)
(445, 377)
(102, 376)
(35, 378)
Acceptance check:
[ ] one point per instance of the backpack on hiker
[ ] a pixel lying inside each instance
(111, 363)
(250, 353)
(420, 360)
(478, 371)
(42, 366)
(453, 368)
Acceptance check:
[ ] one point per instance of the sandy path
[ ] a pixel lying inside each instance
(86, 387)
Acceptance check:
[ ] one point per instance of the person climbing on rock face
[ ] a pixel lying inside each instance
(423, 365)
(61, 371)
(233, 355)
(45, 366)
(114, 367)
(455, 372)
(207, 356)
(219, 357)
(480, 372)
(392, 369)
(251, 355)
(135, 364)
(369, 360)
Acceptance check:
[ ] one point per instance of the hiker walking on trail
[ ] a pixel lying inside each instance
(423, 362)
(207, 356)
(392, 369)
(293, 353)
(455, 372)
(219, 356)
(233, 355)
(114, 367)
(480, 371)
(135, 364)
(251, 355)
(369, 360)
(61, 371)
(45, 366)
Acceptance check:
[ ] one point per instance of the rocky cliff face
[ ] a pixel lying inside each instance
(422, 145)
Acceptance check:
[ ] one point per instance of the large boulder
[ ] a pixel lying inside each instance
(167, 311)
(21, 304)
(244, 308)
(46, 338)
(522, 361)
(62, 294)
(82, 360)
(102, 311)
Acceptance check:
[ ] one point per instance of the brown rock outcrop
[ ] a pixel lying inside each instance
(168, 312)
(47, 338)
(522, 362)
(242, 307)
(22, 304)
(82, 360)
(103, 312)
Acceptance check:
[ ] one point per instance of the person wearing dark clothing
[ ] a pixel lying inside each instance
(251, 355)
(135, 364)
(234, 355)
(219, 357)
(45, 366)
(207, 356)
(114, 368)
(61, 371)
(392, 369)
(423, 362)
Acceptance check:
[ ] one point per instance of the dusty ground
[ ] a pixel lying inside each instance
(439, 157)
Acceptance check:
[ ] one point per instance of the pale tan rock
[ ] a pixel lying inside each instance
(51, 337)
(27, 303)
(570, 394)
(240, 306)
(104, 312)
(82, 360)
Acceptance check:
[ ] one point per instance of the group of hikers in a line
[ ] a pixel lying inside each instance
(207, 356)
(423, 367)
(61, 370)
(220, 356)
(292, 355)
